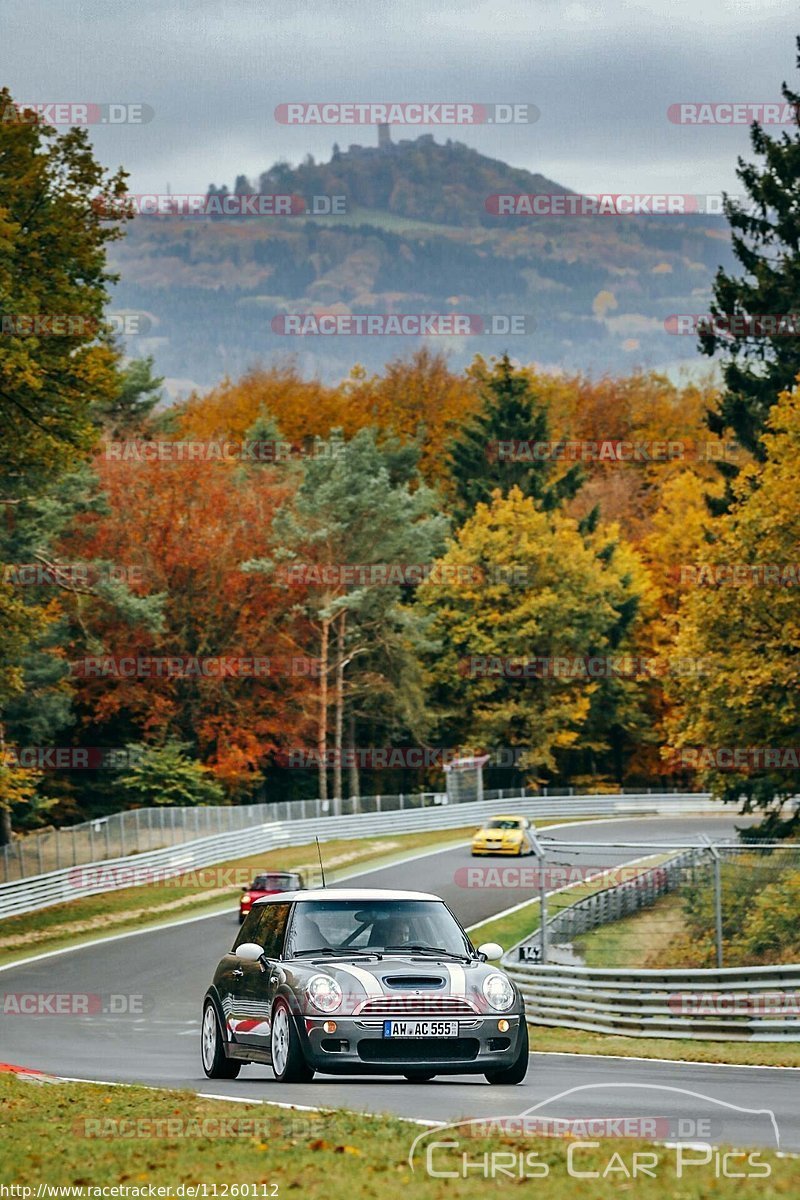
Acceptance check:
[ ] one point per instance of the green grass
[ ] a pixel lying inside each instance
(331, 1155)
(578, 1041)
(620, 943)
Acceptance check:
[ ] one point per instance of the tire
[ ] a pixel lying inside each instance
(518, 1069)
(288, 1061)
(419, 1076)
(216, 1063)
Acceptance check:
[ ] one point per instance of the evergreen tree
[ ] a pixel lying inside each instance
(138, 393)
(510, 413)
(760, 360)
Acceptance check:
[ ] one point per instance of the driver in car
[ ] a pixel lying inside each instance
(392, 931)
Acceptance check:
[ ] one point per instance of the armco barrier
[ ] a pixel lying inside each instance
(57, 887)
(758, 1004)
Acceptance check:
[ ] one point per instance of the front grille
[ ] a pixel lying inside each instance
(423, 1006)
(418, 1050)
(407, 983)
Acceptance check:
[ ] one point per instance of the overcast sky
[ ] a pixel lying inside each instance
(602, 72)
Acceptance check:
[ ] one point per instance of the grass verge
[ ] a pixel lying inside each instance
(335, 1155)
(620, 942)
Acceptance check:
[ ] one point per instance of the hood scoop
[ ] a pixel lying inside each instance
(410, 982)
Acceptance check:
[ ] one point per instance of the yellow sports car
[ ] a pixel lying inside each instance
(503, 835)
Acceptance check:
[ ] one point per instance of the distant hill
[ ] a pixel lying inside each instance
(416, 238)
(444, 184)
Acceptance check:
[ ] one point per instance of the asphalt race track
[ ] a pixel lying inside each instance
(171, 967)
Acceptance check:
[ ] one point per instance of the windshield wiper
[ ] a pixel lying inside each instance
(418, 948)
(338, 950)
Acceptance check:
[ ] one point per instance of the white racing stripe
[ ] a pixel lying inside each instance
(458, 979)
(368, 981)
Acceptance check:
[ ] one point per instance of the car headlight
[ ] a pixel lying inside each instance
(324, 993)
(498, 992)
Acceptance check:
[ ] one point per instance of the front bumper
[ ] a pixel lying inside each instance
(515, 848)
(357, 1046)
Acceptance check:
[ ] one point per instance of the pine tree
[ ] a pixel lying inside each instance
(759, 363)
(510, 412)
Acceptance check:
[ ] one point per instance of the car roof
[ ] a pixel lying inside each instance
(347, 894)
(506, 817)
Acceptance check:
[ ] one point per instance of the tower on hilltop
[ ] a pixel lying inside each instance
(384, 136)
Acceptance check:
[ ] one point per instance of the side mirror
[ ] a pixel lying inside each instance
(490, 950)
(249, 952)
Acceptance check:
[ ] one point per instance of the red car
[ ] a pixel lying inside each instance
(267, 885)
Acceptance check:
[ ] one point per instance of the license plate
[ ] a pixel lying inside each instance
(420, 1029)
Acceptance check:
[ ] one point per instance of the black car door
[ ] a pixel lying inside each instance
(256, 986)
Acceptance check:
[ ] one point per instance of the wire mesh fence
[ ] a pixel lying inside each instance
(712, 905)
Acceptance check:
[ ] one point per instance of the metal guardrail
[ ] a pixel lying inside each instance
(759, 1004)
(138, 830)
(748, 1003)
(59, 887)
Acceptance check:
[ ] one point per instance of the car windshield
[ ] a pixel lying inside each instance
(504, 823)
(374, 925)
(282, 883)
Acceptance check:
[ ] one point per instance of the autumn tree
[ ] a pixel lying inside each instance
(519, 586)
(747, 633)
(53, 237)
(196, 522)
(58, 358)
